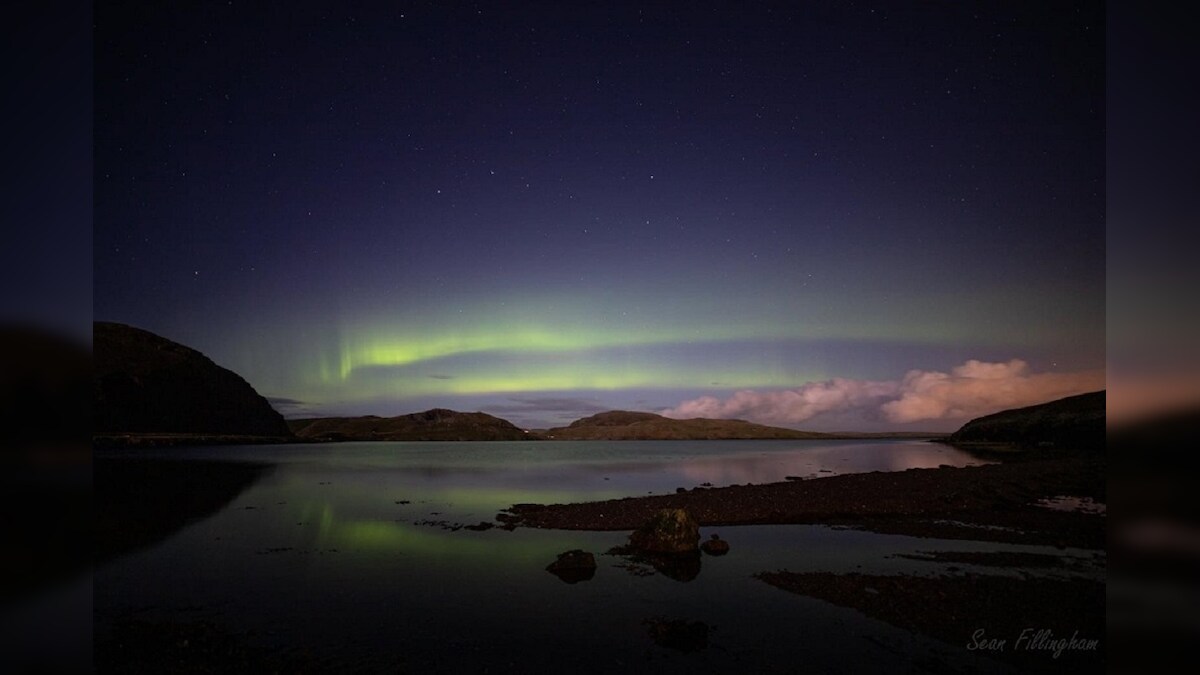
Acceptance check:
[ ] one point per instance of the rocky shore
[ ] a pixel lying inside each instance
(995, 502)
(1042, 613)
(1039, 624)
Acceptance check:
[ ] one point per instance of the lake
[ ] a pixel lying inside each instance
(353, 557)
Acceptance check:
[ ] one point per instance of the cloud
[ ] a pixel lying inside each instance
(289, 407)
(972, 389)
(790, 406)
(978, 388)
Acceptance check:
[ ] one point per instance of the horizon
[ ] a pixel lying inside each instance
(681, 419)
(688, 419)
(825, 217)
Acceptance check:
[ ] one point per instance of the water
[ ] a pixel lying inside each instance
(352, 553)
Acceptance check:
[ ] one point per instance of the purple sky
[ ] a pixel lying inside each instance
(545, 210)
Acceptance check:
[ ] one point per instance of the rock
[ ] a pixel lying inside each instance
(678, 634)
(715, 546)
(573, 566)
(671, 531)
(667, 542)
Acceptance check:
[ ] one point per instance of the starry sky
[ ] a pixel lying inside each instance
(820, 215)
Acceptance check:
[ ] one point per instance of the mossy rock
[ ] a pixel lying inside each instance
(671, 531)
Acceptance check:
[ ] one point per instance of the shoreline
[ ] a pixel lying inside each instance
(167, 440)
(993, 502)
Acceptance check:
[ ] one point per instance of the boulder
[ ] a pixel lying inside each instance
(670, 531)
(678, 634)
(573, 566)
(715, 546)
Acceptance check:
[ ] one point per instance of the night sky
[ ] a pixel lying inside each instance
(819, 215)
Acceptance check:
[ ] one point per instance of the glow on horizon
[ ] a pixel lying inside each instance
(539, 372)
(591, 377)
(399, 349)
(554, 342)
(526, 330)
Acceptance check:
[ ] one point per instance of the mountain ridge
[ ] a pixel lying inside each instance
(643, 426)
(435, 424)
(1075, 422)
(144, 383)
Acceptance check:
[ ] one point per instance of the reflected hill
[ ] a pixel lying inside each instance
(140, 502)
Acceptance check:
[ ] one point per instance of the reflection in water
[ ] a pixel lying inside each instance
(342, 548)
(140, 502)
(680, 567)
(678, 634)
(830, 460)
(1059, 608)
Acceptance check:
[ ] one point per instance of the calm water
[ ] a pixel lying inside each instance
(343, 550)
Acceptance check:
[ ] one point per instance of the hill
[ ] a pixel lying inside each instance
(438, 424)
(641, 426)
(146, 384)
(1075, 422)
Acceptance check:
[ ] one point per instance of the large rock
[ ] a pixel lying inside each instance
(715, 546)
(670, 531)
(573, 566)
(148, 384)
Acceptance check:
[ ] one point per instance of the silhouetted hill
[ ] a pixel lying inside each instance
(146, 384)
(1074, 422)
(438, 424)
(642, 426)
(45, 390)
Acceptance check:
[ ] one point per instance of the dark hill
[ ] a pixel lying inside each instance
(146, 384)
(1075, 422)
(616, 418)
(642, 426)
(438, 424)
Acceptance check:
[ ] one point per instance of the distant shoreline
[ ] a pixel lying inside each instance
(165, 440)
(181, 440)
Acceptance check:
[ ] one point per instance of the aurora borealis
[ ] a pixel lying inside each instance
(548, 210)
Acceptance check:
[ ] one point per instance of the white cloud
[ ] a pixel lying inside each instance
(975, 388)
(790, 406)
